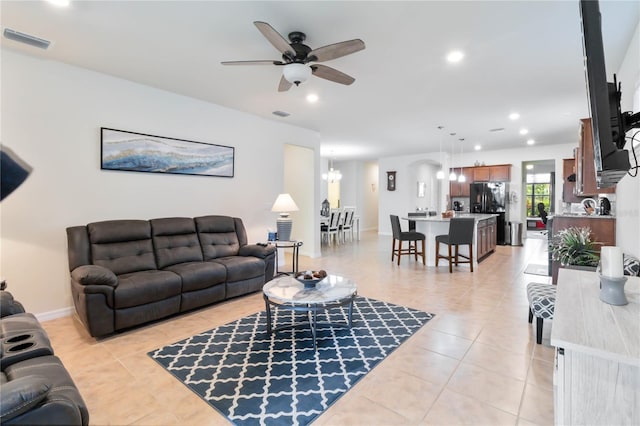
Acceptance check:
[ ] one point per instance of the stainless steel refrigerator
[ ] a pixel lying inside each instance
(491, 197)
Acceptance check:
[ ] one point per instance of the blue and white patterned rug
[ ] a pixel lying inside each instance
(253, 378)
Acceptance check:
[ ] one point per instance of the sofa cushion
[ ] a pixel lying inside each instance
(218, 236)
(123, 246)
(241, 268)
(143, 287)
(175, 241)
(199, 275)
(21, 395)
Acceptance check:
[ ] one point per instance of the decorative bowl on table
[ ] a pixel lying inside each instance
(311, 278)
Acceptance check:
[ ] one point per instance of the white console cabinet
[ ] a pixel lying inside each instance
(597, 371)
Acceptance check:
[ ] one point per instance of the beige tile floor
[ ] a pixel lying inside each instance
(475, 363)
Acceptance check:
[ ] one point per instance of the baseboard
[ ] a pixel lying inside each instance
(58, 313)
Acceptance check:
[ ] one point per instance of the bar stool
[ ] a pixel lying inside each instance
(460, 233)
(411, 236)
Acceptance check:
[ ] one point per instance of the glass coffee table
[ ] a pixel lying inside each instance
(286, 292)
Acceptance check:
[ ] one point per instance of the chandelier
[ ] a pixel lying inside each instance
(333, 174)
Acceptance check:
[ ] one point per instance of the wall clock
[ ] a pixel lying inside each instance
(391, 181)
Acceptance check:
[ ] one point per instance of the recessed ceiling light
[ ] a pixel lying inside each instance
(514, 116)
(530, 142)
(61, 3)
(529, 166)
(477, 147)
(312, 98)
(523, 131)
(455, 56)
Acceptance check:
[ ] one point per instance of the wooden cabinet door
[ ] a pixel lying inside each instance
(465, 187)
(500, 173)
(586, 184)
(568, 188)
(482, 174)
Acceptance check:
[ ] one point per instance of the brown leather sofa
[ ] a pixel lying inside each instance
(35, 387)
(129, 272)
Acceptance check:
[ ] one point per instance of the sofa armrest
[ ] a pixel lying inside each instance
(94, 275)
(256, 250)
(9, 306)
(22, 394)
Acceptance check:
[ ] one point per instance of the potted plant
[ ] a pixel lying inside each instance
(574, 247)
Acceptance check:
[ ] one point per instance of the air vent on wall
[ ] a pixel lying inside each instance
(26, 38)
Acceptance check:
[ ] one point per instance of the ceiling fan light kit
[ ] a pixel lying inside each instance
(296, 57)
(296, 73)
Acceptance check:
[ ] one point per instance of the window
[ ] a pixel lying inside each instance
(539, 189)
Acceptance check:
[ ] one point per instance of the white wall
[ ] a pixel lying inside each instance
(628, 190)
(299, 182)
(399, 201)
(51, 117)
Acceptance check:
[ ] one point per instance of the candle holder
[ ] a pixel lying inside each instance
(612, 290)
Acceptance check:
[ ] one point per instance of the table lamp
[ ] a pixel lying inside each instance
(283, 205)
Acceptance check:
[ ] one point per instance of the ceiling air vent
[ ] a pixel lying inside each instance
(281, 113)
(26, 38)
(497, 129)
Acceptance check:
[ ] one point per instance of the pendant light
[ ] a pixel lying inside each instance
(452, 175)
(461, 176)
(440, 173)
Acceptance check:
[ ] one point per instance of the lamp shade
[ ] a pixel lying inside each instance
(296, 73)
(284, 204)
(14, 171)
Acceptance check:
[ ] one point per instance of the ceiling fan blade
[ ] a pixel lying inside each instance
(337, 50)
(284, 85)
(331, 74)
(259, 62)
(275, 38)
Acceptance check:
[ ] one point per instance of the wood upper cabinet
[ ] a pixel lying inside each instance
(586, 185)
(568, 188)
(500, 173)
(461, 189)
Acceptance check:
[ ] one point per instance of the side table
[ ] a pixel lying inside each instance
(295, 245)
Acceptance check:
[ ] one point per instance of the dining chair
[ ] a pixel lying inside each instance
(411, 236)
(347, 225)
(332, 229)
(460, 233)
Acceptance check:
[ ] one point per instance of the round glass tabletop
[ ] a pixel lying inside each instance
(286, 289)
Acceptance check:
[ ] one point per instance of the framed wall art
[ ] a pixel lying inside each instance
(139, 152)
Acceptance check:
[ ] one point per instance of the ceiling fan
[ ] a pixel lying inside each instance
(296, 56)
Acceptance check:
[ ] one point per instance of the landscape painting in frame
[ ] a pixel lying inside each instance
(137, 152)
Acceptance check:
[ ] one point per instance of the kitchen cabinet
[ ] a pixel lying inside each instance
(586, 185)
(486, 237)
(603, 231)
(498, 173)
(568, 188)
(461, 189)
(597, 367)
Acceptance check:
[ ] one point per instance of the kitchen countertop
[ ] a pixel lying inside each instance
(477, 216)
(574, 215)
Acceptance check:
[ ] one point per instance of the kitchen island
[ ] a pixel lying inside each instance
(484, 236)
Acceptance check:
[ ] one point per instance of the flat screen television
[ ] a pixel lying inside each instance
(609, 124)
